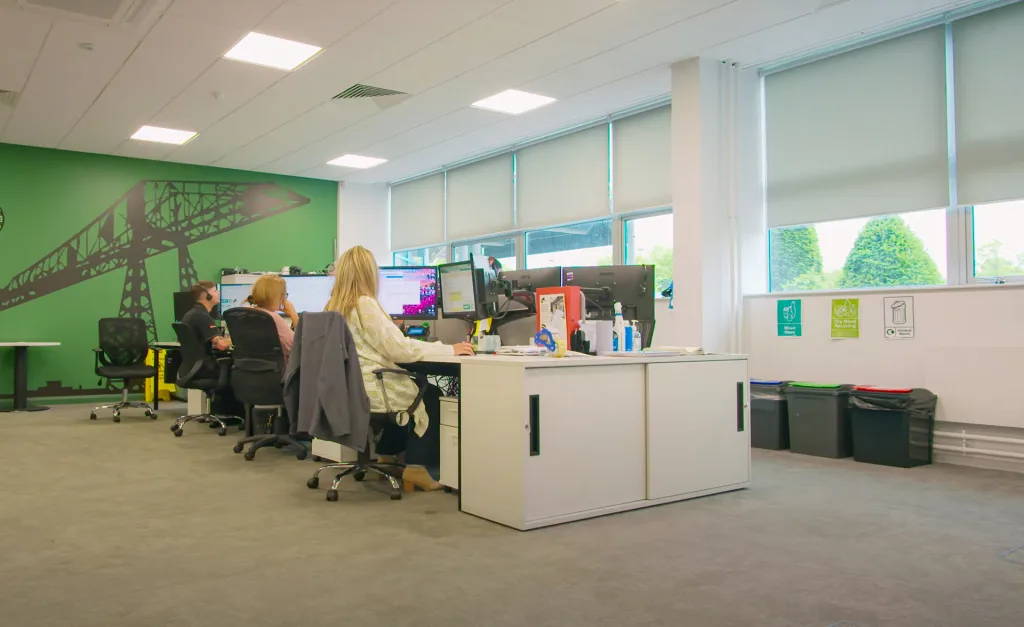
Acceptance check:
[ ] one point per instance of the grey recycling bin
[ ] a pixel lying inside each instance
(769, 417)
(819, 419)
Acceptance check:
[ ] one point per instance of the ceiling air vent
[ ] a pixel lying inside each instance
(105, 12)
(8, 98)
(381, 96)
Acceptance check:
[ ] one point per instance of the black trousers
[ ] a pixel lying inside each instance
(224, 401)
(422, 450)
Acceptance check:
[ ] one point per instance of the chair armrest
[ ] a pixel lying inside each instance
(223, 371)
(100, 357)
(419, 378)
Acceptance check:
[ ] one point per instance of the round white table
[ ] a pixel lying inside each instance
(21, 375)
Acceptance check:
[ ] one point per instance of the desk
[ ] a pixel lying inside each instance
(545, 441)
(21, 375)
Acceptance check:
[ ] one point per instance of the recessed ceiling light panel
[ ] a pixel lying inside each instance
(274, 52)
(163, 135)
(513, 102)
(356, 161)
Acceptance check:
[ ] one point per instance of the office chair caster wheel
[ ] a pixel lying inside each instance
(178, 433)
(317, 458)
(359, 475)
(249, 455)
(92, 416)
(237, 448)
(151, 414)
(175, 426)
(301, 455)
(447, 489)
(332, 495)
(117, 417)
(396, 496)
(222, 432)
(313, 483)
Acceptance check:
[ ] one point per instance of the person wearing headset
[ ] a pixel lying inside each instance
(200, 320)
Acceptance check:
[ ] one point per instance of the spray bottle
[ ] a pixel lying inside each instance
(618, 330)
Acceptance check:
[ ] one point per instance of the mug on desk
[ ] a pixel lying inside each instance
(489, 343)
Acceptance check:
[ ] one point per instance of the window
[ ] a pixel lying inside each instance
(649, 240)
(582, 244)
(897, 250)
(429, 256)
(501, 248)
(999, 240)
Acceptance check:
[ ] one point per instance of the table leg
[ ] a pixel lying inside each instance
(21, 383)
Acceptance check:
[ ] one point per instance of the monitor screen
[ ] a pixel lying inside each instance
(408, 292)
(458, 294)
(234, 295)
(311, 292)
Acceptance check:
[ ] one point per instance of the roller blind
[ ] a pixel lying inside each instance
(988, 53)
(564, 179)
(480, 198)
(642, 158)
(417, 212)
(859, 134)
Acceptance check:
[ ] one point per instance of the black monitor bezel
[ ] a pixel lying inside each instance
(437, 291)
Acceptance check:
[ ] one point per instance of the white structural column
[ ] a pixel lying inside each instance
(715, 191)
(363, 219)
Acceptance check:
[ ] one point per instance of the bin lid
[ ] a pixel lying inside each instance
(820, 386)
(871, 388)
(765, 382)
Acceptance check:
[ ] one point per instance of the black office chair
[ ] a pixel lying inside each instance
(257, 379)
(122, 357)
(193, 353)
(364, 462)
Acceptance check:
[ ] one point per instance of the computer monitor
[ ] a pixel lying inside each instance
(183, 301)
(234, 295)
(530, 280)
(633, 286)
(458, 283)
(309, 292)
(408, 292)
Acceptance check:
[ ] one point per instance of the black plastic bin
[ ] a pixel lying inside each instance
(769, 417)
(819, 419)
(893, 427)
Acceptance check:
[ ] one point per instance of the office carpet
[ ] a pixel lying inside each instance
(112, 525)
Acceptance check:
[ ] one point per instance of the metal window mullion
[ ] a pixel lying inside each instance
(959, 249)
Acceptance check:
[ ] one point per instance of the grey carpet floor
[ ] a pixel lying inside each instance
(112, 525)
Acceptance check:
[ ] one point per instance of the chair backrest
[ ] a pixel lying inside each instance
(257, 372)
(124, 341)
(193, 352)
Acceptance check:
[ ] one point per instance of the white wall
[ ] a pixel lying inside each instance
(969, 348)
(363, 219)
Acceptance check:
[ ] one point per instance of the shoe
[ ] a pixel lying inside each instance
(417, 477)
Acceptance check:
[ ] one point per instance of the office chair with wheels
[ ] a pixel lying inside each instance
(122, 357)
(365, 463)
(191, 377)
(257, 379)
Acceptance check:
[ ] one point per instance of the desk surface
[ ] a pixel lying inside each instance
(166, 344)
(570, 362)
(16, 344)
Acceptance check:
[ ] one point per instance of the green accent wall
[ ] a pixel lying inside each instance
(48, 196)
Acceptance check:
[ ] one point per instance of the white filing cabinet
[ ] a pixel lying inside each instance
(546, 441)
(450, 442)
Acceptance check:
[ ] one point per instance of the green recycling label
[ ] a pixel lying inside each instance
(845, 318)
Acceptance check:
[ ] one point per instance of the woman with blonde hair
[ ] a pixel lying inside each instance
(380, 344)
(270, 295)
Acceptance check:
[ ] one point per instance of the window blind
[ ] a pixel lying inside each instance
(417, 212)
(642, 158)
(480, 198)
(988, 52)
(564, 180)
(859, 134)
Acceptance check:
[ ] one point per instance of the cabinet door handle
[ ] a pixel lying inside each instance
(739, 406)
(534, 425)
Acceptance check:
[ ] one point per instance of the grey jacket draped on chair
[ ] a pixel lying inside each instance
(323, 387)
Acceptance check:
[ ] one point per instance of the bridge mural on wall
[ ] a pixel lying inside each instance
(153, 217)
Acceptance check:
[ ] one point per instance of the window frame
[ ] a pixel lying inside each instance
(623, 235)
(423, 250)
(516, 238)
(616, 242)
(970, 255)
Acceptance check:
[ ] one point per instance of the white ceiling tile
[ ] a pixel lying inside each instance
(66, 81)
(22, 35)
(175, 54)
(223, 88)
(320, 22)
(235, 14)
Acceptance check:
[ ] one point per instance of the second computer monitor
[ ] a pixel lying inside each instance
(309, 292)
(234, 295)
(530, 280)
(602, 286)
(409, 292)
(459, 285)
